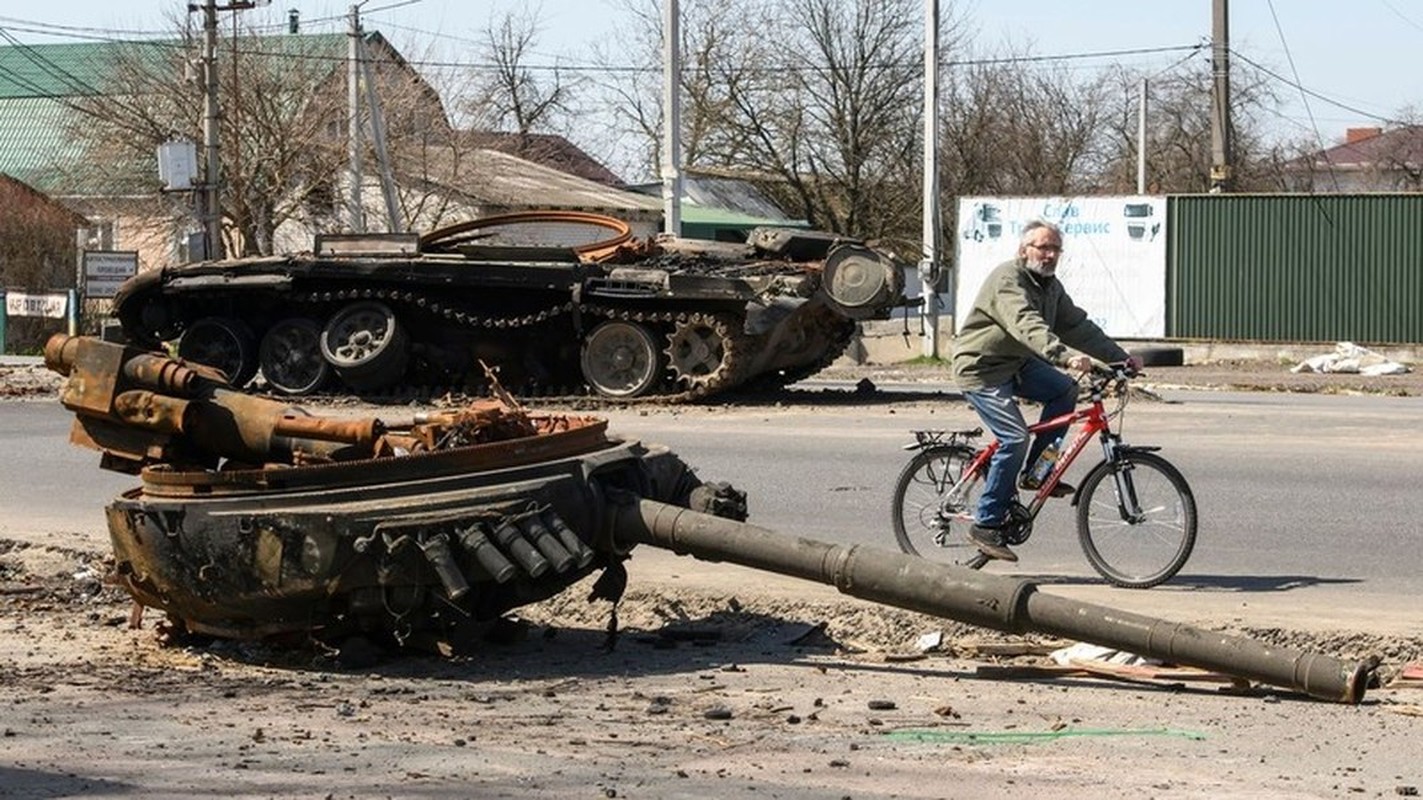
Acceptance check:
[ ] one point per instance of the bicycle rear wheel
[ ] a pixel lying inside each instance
(1142, 552)
(926, 522)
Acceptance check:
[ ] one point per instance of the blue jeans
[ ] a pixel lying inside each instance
(997, 406)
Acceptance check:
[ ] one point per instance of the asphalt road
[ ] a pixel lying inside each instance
(1308, 521)
(1307, 502)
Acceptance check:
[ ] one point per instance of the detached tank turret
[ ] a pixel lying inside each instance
(254, 519)
(557, 302)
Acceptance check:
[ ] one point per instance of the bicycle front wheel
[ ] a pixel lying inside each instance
(1143, 538)
(927, 521)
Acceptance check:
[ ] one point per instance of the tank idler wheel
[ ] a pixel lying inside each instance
(290, 356)
(620, 359)
(698, 349)
(367, 345)
(224, 344)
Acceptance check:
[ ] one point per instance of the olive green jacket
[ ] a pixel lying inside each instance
(1020, 315)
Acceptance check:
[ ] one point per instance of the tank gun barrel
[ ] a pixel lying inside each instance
(1005, 604)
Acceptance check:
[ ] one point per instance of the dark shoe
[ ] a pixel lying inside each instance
(1030, 484)
(989, 541)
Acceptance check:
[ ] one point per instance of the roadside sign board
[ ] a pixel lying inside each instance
(1113, 261)
(53, 305)
(105, 270)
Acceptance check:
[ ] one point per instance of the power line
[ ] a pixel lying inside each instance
(1401, 15)
(106, 35)
(1316, 95)
(1304, 98)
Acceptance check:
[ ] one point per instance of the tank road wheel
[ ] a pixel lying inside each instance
(620, 359)
(290, 356)
(222, 343)
(366, 345)
(699, 350)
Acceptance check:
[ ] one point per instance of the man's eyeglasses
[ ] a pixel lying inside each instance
(1047, 248)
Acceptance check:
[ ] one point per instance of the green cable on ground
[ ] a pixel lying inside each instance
(1028, 737)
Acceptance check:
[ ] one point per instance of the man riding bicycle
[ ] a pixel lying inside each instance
(1010, 345)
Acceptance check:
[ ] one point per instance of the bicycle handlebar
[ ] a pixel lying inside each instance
(1124, 369)
(1114, 373)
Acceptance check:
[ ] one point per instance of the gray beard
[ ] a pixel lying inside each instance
(1039, 268)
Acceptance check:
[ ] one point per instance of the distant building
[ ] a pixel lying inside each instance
(477, 182)
(37, 253)
(448, 176)
(724, 208)
(546, 149)
(1369, 160)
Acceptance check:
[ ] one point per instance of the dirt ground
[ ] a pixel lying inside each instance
(722, 682)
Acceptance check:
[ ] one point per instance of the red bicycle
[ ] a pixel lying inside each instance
(1136, 516)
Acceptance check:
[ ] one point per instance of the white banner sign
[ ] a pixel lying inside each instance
(105, 270)
(51, 304)
(1113, 263)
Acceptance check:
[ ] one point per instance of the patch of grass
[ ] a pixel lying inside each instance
(925, 362)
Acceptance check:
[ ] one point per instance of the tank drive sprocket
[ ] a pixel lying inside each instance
(702, 350)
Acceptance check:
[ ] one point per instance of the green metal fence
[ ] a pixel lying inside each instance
(1296, 267)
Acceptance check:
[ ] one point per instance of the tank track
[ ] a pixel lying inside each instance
(732, 372)
(840, 341)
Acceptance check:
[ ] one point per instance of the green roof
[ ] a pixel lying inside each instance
(39, 84)
(702, 215)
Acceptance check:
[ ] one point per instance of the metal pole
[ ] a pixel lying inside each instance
(929, 264)
(4, 321)
(73, 316)
(212, 205)
(387, 177)
(81, 238)
(671, 118)
(1221, 155)
(355, 213)
(1141, 142)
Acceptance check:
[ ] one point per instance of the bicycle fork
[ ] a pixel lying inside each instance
(1127, 503)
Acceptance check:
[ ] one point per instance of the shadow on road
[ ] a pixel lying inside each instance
(1213, 583)
(39, 783)
(867, 396)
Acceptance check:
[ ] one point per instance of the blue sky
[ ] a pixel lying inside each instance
(1363, 55)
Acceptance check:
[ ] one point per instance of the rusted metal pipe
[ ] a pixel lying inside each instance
(1006, 604)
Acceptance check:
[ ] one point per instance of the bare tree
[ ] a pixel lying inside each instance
(512, 94)
(1178, 131)
(716, 52)
(1009, 128)
(37, 251)
(283, 143)
(821, 96)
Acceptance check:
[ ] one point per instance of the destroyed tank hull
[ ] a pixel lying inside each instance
(423, 545)
(389, 315)
(254, 520)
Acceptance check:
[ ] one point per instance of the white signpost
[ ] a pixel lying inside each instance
(53, 305)
(105, 270)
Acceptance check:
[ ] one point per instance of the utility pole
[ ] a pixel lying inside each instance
(212, 180)
(929, 267)
(212, 115)
(387, 175)
(671, 118)
(1141, 141)
(355, 213)
(1221, 178)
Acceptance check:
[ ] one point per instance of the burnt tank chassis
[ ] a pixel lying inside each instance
(668, 318)
(253, 519)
